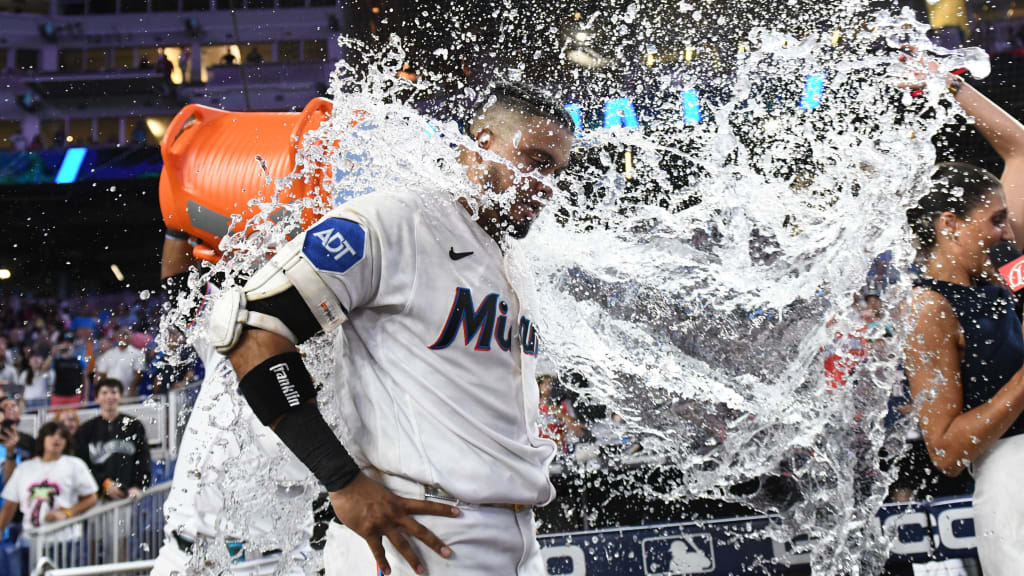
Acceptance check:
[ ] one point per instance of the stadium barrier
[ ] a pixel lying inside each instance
(115, 532)
(919, 532)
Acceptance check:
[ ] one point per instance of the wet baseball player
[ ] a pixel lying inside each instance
(436, 463)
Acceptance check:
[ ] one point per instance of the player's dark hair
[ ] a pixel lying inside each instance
(524, 99)
(952, 187)
(110, 383)
(49, 429)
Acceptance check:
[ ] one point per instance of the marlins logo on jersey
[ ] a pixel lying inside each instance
(487, 322)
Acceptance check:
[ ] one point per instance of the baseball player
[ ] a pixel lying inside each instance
(437, 463)
(214, 508)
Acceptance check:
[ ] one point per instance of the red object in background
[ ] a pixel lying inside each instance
(850, 351)
(1013, 273)
(211, 169)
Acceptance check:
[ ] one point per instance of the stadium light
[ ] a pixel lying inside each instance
(814, 87)
(620, 112)
(117, 272)
(70, 165)
(5, 274)
(691, 107)
(576, 113)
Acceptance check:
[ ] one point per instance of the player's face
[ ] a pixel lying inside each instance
(536, 152)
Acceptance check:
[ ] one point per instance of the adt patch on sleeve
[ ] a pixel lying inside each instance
(335, 245)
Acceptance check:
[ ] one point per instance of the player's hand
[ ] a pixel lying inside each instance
(134, 493)
(373, 512)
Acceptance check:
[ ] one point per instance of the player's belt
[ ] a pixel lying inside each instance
(438, 493)
(410, 488)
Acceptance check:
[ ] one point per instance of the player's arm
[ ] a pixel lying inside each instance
(954, 437)
(176, 256)
(258, 327)
(1006, 135)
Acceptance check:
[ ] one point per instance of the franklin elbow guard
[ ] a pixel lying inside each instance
(286, 296)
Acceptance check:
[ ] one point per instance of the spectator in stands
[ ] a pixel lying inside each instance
(70, 380)
(164, 66)
(115, 446)
(144, 63)
(557, 419)
(254, 56)
(183, 60)
(19, 142)
(69, 418)
(139, 133)
(51, 487)
(123, 362)
(37, 380)
(8, 372)
(228, 59)
(15, 446)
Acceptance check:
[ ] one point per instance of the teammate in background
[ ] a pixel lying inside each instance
(438, 400)
(114, 446)
(217, 427)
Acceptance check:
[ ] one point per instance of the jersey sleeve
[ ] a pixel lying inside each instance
(364, 250)
(344, 248)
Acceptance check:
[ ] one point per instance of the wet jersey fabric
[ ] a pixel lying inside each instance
(436, 379)
(994, 343)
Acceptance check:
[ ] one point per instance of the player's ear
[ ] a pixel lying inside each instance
(484, 138)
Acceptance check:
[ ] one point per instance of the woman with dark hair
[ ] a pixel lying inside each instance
(51, 487)
(965, 352)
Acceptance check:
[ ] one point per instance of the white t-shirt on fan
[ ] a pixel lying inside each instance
(39, 487)
(122, 364)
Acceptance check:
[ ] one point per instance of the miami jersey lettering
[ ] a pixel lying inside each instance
(488, 320)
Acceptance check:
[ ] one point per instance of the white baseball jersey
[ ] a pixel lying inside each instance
(437, 377)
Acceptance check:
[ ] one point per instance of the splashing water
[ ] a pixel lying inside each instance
(697, 291)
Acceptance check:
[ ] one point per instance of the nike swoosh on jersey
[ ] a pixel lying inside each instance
(457, 255)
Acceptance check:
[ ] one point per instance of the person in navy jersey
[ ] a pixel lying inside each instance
(965, 352)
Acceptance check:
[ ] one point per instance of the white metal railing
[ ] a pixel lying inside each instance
(163, 417)
(122, 531)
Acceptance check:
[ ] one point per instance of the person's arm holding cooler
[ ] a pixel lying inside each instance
(310, 286)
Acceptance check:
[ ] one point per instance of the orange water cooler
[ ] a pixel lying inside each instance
(216, 161)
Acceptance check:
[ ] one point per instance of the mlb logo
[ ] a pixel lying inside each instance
(679, 555)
